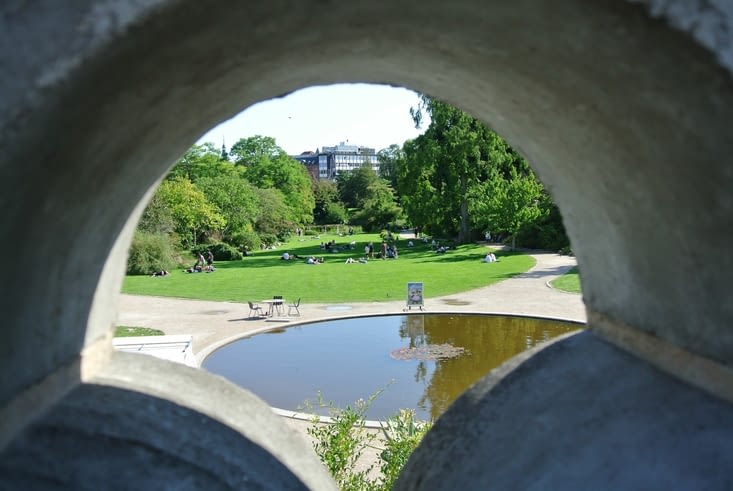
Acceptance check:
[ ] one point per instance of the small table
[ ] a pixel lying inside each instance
(274, 304)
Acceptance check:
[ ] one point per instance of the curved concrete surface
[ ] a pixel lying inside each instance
(623, 109)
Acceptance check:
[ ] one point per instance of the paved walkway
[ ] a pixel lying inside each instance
(215, 323)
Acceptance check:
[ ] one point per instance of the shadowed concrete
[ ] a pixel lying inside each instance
(623, 109)
(639, 420)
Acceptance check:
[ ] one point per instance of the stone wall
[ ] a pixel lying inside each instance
(623, 109)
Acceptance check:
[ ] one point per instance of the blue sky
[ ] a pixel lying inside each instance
(367, 115)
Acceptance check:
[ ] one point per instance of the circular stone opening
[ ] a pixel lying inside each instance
(418, 361)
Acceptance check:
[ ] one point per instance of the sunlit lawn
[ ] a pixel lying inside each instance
(264, 274)
(569, 282)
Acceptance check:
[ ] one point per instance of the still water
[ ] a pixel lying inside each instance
(421, 361)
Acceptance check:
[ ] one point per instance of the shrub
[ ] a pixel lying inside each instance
(340, 445)
(150, 252)
(220, 250)
(269, 239)
(247, 241)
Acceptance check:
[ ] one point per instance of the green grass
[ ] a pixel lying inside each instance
(569, 282)
(264, 274)
(126, 331)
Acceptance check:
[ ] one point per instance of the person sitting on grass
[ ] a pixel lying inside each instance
(490, 258)
(285, 256)
(350, 260)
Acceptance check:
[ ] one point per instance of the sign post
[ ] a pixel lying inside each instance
(414, 295)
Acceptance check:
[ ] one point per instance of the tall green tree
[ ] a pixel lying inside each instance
(195, 218)
(268, 166)
(273, 213)
(513, 202)
(328, 206)
(236, 200)
(354, 186)
(201, 161)
(379, 209)
(389, 159)
(460, 177)
(443, 166)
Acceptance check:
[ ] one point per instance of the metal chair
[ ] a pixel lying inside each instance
(253, 307)
(295, 306)
(278, 304)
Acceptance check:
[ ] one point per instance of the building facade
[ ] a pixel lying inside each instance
(329, 162)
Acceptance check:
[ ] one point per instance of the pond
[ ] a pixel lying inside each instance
(420, 361)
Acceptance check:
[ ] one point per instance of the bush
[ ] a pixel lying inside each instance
(220, 250)
(340, 444)
(149, 253)
(247, 241)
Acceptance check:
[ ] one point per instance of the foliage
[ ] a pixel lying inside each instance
(569, 282)
(328, 207)
(546, 232)
(461, 178)
(128, 331)
(390, 159)
(341, 442)
(403, 434)
(193, 215)
(246, 241)
(236, 200)
(201, 161)
(269, 167)
(335, 213)
(443, 166)
(378, 209)
(220, 250)
(157, 217)
(273, 214)
(256, 276)
(513, 202)
(354, 186)
(149, 253)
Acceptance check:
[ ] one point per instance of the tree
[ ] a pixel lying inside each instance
(446, 173)
(236, 200)
(354, 186)
(193, 215)
(248, 151)
(513, 202)
(268, 166)
(379, 209)
(327, 204)
(157, 217)
(201, 161)
(389, 159)
(272, 218)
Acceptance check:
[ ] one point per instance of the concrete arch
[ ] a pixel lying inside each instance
(625, 119)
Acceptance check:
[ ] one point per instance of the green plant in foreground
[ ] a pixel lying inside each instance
(341, 441)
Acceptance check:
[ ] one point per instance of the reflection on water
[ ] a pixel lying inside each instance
(350, 359)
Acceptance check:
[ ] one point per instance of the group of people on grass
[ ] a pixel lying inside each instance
(203, 264)
(309, 260)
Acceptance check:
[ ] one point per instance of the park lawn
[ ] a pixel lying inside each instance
(129, 331)
(569, 282)
(264, 274)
